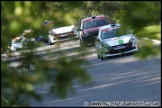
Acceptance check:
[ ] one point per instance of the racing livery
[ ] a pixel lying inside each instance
(89, 29)
(113, 41)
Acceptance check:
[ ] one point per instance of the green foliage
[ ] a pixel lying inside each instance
(151, 32)
(18, 84)
(144, 18)
(147, 50)
(35, 70)
(66, 72)
(16, 87)
(139, 14)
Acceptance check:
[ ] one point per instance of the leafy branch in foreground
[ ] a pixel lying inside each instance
(61, 72)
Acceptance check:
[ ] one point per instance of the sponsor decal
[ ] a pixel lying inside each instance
(63, 35)
(119, 47)
(120, 41)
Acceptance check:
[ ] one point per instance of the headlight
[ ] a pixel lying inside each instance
(106, 45)
(132, 40)
(105, 48)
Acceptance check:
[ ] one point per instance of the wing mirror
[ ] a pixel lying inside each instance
(112, 23)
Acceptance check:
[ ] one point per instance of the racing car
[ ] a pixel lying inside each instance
(115, 40)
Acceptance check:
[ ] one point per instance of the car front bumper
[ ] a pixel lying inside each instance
(130, 51)
(89, 39)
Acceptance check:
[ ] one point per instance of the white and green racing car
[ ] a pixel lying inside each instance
(112, 40)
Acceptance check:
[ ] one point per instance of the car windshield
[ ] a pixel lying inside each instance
(110, 33)
(95, 23)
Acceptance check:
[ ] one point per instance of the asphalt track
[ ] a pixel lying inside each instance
(120, 81)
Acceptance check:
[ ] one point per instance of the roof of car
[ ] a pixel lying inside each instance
(105, 27)
(89, 18)
(17, 38)
(61, 30)
(110, 26)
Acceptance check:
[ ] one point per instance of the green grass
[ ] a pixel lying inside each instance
(147, 48)
(151, 32)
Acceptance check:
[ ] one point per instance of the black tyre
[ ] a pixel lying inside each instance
(50, 43)
(98, 56)
(102, 58)
(82, 43)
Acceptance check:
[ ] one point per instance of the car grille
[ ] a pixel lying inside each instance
(114, 49)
